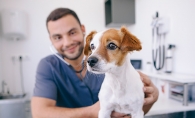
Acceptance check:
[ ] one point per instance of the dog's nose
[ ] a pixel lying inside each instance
(92, 61)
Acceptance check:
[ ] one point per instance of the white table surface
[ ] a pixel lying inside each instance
(176, 77)
(166, 105)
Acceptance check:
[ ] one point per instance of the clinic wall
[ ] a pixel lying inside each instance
(91, 13)
(0, 54)
(0, 65)
(36, 45)
(182, 27)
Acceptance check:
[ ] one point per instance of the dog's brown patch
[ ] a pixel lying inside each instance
(111, 35)
(123, 39)
(129, 41)
(87, 49)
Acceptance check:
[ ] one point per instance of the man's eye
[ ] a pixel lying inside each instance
(72, 33)
(92, 47)
(57, 38)
(111, 46)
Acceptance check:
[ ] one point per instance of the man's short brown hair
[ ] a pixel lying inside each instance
(59, 13)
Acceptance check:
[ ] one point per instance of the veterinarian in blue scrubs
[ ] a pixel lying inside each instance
(69, 90)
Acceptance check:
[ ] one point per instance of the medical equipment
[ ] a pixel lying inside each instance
(160, 27)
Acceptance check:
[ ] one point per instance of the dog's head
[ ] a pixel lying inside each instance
(107, 49)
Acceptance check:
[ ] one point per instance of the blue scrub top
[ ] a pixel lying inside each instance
(58, 81)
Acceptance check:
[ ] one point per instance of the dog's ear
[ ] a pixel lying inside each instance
(129, 41)
(87, 49)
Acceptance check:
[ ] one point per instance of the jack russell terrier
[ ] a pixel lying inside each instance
(122, 89)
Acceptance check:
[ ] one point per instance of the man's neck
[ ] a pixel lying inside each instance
(77, 63)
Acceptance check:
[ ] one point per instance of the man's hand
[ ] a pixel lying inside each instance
(151, 92)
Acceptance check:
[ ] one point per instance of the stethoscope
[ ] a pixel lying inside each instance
(53, 50)
(158, 42)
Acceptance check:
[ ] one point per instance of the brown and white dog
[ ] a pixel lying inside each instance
(122, 89)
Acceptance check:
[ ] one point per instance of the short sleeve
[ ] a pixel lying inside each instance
(44, 84)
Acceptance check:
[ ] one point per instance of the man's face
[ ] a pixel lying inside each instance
(67, 36)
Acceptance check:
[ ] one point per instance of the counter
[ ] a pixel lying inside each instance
(166, 105)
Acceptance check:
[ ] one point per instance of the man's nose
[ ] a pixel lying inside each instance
(66, 41)
(92, 61)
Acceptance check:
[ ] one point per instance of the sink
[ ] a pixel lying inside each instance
(10, 96)
(12, 106)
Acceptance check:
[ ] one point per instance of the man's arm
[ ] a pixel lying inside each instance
(46, 108)
(151, 93)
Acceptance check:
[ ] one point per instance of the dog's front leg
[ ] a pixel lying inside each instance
(106, 102)
(106, 109)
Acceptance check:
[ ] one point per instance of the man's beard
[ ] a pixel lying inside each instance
(80, 51)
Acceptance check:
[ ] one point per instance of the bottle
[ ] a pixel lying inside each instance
(169, 59)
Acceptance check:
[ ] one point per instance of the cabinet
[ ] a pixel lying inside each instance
(181, 80)
(181, 91)
(119, 12)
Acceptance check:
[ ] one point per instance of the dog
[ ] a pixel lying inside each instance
(122, 88)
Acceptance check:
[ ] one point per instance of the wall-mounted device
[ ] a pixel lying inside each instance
(160, 27)
(14, 25)
(119, 12)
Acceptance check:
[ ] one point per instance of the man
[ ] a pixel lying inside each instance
(69, 90)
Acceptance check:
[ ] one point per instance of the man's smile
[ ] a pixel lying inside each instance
(72, 48)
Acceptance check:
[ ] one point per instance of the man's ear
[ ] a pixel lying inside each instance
(129, 41)
(83, 29)
(87, 49)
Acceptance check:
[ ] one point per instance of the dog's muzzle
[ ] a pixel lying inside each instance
(92, 61)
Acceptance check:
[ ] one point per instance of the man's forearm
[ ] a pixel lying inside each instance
(59, 112)
(146, 108)
(46, 108)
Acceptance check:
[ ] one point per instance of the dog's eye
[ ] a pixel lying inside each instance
(92, 47)
(111, 46)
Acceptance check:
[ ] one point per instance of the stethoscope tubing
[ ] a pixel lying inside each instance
(158, 51)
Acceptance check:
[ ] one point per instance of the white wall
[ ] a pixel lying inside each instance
(91, 13)
(1, 76)
(36, 46)
(182, 17)
(0, 66)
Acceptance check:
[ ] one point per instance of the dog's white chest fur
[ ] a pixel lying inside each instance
(122, 92)
(122, 89)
